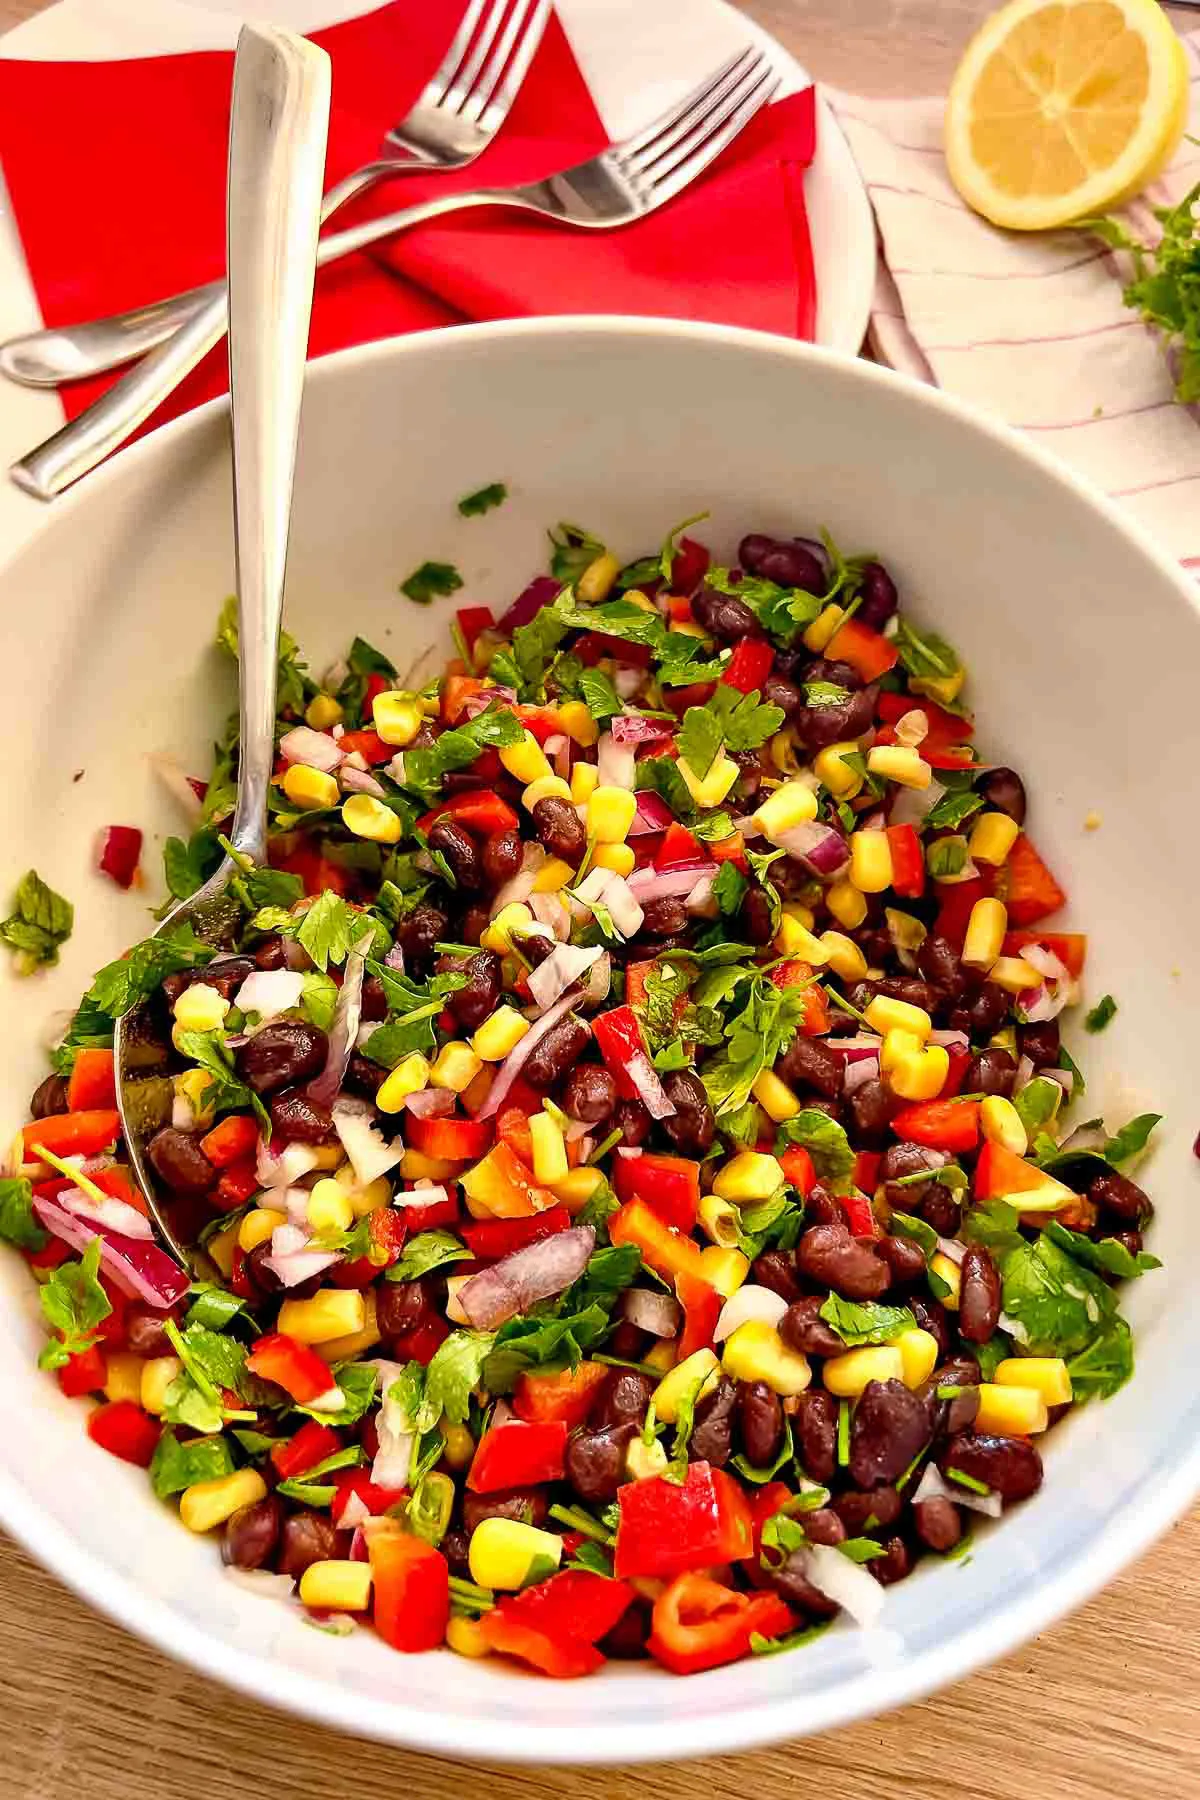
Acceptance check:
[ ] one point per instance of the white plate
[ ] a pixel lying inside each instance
(636, 57)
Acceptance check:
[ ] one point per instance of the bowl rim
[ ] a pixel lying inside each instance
(1167, 1488)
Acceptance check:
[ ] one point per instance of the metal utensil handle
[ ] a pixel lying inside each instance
(277, 138)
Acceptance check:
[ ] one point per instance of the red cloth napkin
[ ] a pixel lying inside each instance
(128, 204)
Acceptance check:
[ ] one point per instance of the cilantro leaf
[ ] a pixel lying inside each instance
(292, 686)
(866, 1321)
(225, 1092)
(756, 1036)
(454, 1371)
(483, 500)
(824, 693)
(1108, 1255)
(610, 1270)
(213, 1306)
(187, 866)
(923, 655)
(533, 645)
(176, 1466)
(357, 1382)
(1055, 1306)
(571, 551)
(947, 857)
(73, 1305)
(120, 985)
(661, 774)
(329, 929)
(318, 999)
(362, 662)
(598, 694)
(1164, 289)
(1100, 1015)
(430, 580)
(730, 889)
(40, 921)
(1037, 1103)
(1131, 1140)
(953, 808)
(614, 618)
(1105, 1365)
(783, 612)
(826, 1143)
(428, 1250)
(424, 770)
(17, 1222)
(530, 1342)
(658, 568)
(730, 719)
(700, 739)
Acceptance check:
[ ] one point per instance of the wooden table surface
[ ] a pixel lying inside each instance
(1100, 1706)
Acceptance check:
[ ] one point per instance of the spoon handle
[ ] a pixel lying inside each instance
(277, 139)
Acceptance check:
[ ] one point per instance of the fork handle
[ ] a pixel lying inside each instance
(77, 447)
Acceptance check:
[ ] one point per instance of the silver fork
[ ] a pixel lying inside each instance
(622, 183)
(455, 118)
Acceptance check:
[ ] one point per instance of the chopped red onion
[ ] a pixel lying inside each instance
(564, 966)
(368, 1150)
(652, 814)
(354, 1512)
(698, 898)
(429, 1195)
(651, 1092)
(1045, 962)
(848, 1584)
(952, 1248)
(269, 992)
(666, 884)
(110, 1213)
(1085, 1137)
(295, 1204)
(515, 1061)
(548, 910)
(623, 906)
(615, 762)
(857, 1049)
(138, 1268)
(299, 1265)
(630, 729)
(543, 590)
(430, 1103)
(911, 806)
(950, 1040)
(178, 784)
(519, 1281)
(315, 749)
(932, 1487)
(750, 1302)
(395, 958)
(359, 781)
(627, 681)
(859, 1072)
(652, 1310)
(1045, 1003)
(488, 696)
(820, 848)
(344, 1033)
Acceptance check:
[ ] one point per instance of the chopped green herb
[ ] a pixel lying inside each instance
(866, 1321)
(483, 500)
(430, 580)
(39, 923)
(1100, 1015)
(17, 1223)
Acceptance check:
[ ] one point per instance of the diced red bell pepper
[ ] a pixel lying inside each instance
(518, 1454)
(232, 1141)
(794, 973)
(491, 1239)
(572, 1604)
(908, 862)
(449, 1140)
(318, 873)
(367, 744)
(797, 1166)
(111, 1332)
(1027, 887)
(425, 1215)
(291, 1365)
(594, 646)
(959, 1061)
(765, 1502)
(680, 699)
(93, 1083)
(563, 1398)
(52, 1253)
(1001, 1173)
(73, 1134)
(636, 976)
(456, 691)
(561, 1658)
(689, 565)
(237, 1185)
(1070, 947)
(957, 900)
(678, 846)
(478, 810)
(668, 1528)
(472, 621)
(410, 1592)
(699, 1623)
(124, 1430)
(859, 1215)
(940, 1125)
(679, 610)
(958, 756)
(120, 848)
(117, 1182)
(749, 665)
(945, 729)
(865, 650)
(423, 1342)
(84, 1373)
(701, 1305)
(619, 1037)
(349, 1484)
(731, 849)
(374, 685)
(669, 1185)
(866, 1170)
(667, 1251)
(542, 722)
(311, 1445)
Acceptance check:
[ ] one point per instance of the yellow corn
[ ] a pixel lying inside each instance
(843, 956)
(713, 787)
(842, 781)
(847, 1375)
(369, 1199)
(576, 1188)
(309, 789)
(408, 1077)
(1005, 1039)
(196, 1087)
(919, 1355)
(525, 760)
(416, 1166)
(724, 1269)
(331, 1313)
(846, 904)
(870, 861)
(355, 1343)
(750, 1175)
(546, 787)
(720, 1221)
(221, 1249)
(499, 1034)
(898, 1046)
(793, 803)
(498, 936)
(257, 1227)
(794, 937)
(578, 723)
(951, 1274)
(554, 875)
(502, 1552)
(123, 1376)
(585, 779)
(455, 1067)
(644, 1461)
(921, 1077)
(1014, 974)
(660, 1356)
(322, 712)
(701, 1367)
(549, 1148)
(985, 933)
(366, 817)
(775, 1097)
(157, 1375)
(327, 1157)
(397, 717)
(610, 814)
(1001, 1123)
(200, 1008)
(597, 579)
(454, 1310)
(209, 1503)
(1010, 1411)
(884, 1015)
(803, 915)
(945, 689)
(822, 628)
(756, 1352)
(337, 1586)
(329, 1207)
(465, 1637)
(1046, 1375)
(992, 838)
(617, 857)
(901, 764)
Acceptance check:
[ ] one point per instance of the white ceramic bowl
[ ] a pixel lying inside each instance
(1083, 642)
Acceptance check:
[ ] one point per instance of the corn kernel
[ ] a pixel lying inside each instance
(884, 1015)
(322, 713)
(803, 915)
(546, 787)
(337, 1586)
(578, 723)
(610, 813)
(756, 1352)
(750, 1175)
(1014, 974)
(397, 717)
(585, 779)
(949, 1271)
(724, 1269)
(842, 781)
(843, 956)
(617, 857)
(525, 760)
(846, 903)
(576, 1188)
(369, 1199)
(221, 1249)
(195, 1086)
(408, 1077)
(1046, 1375)
(800, 942)
(661, 1356)
(331, 1313)
(465, 1637)
(257, 1226)
(720, 1221)
(901, 764)
(309, 789)
(596, 581)
(644, 1461)
(209, 1503)
(455, 1067)
(499, 1034)
(503, 1551)
(701, 1367)
(823, 627)
(549, 1148)
(985, 933)
(992, 838)
(498, 936)
(1005, 1039)
(1001, 1123)
(158, 1372)
(793, 803)
(710, 789)
(329, 1206)
(553, 876)
(921, 1077)
(355, 1343)
(200, 1008)
(847, 1375)
(1010, 1411)
(870, 861)
(366, 817)
(919, 1355)
(416, 1166)
(123, 1376)
(775, 1097)
(897, 1047)
(327, 1157)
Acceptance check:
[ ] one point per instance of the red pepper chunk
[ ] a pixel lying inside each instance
(945, 729)
(562, 1658)
(940, 1125)
(237, 1185)
(669, 1186)
(311, 1445)
(367, 744)
(120, 848)
(73, 1134)
(84, 1373)
(865, 650)
(678, 846)
(410, 1593)
(291, 1365)
(908, 862)
(1070, 947)
(356, 1484)
(699, 1623)
(749, 665)
(424, 1215)
(689, 565)
(518, 1454)
(701, 1305)
(232, 1141)
(668, 1528)
(491, 1239)
(797, 1166)
(423, 1341)
(124, 1430)
(859, 1216)
(1027, 887)
(93, 1083)
(619, 1037)
(472, 621)
(667, 1251)
(562, 1398)
(477, 810)
(449, 1140)
(573, 1605)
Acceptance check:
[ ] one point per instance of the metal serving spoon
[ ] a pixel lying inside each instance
(277, 134)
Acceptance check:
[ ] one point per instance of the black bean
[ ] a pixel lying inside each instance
(863, 1509)
(595, 1461)
(179, 1162)
(281, 1054)
(501, 857)
(561, 1047)
(461, 853)
(871, 1108)
(820, 1206)
(49, 1097)
(664, 918)
(307, 1538)
(910, 989)
(270, 955)
(756, 917)
(472, 1004)
(903, 1159)
(456, 1548)
(894, 1564)
(475, 921)
(931, 1317)
(374, 1001)
(957, 1413)
(727, 618)
(991, 1072)
(807, 1063)
(815, 1422)
(1114, 1193)
(904, 1258)
(252, 1534)
(1004, 789)
(295, 1119)
(778, 691)
(802, 1328)
(693, 1125)
(559, 828)
(416, 935)
(776, 1269)
(891, 1425)
(624, 1398)
(1010, 1467)
(979, 1300)
(712, 1433)
(822, 1526)
(982, 1012)
(529, 1505)
(400, 1306)
(144, 1330)
(1041, 1043)
(837, 674)
(785, 561)
(364, 1077)
(627, 1638)
(937, 1523)
(798, 1590)
(879, 598)
(590, 1094)
(226, 976)
(819, 726)
(937, 961)
(760, 1422)
(939, 1208)
(634, 1123)
(829, 1255)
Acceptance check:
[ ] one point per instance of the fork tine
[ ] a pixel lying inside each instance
(490, 105)
(467, 76)
(686, 162)
(698, 96)
(722, 94)
(440, 80)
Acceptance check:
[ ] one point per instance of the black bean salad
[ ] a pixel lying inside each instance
(641, 1199)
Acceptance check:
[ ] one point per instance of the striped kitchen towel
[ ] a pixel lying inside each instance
(1030, 327)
